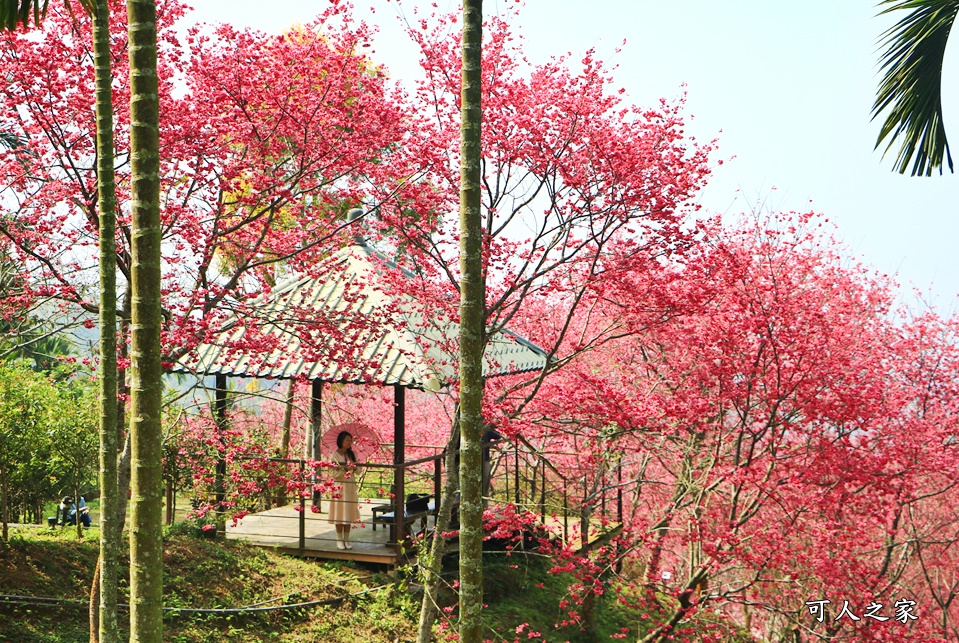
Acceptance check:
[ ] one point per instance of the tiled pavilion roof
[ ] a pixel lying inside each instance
(349, 327)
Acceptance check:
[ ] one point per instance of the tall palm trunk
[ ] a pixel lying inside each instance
(103, 612)
(146, 546)
(103, 625)
(472, 327)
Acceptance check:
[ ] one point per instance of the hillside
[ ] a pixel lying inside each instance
(203, 574)
(338, 603)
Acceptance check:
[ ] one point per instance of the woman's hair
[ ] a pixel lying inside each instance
(340, 438)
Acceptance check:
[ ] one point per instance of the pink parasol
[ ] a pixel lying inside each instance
(366, 443)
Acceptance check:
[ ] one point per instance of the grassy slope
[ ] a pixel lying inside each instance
(203, 573)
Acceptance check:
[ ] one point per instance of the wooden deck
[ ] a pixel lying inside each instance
(279, 528)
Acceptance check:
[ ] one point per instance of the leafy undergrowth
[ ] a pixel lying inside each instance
(525, 602)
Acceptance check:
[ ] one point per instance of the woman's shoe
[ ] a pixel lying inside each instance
(340, 544)
(348, 545)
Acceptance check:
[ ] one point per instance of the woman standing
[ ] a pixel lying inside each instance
(344, 507)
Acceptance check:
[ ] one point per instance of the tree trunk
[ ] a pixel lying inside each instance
(95, 603)
(431, 565)
(103, 621)
(124, 473)
(125, 454)
(170, 502)
(4, 508)
(220, 419)
(287, 420)
(472, 327)
(281, 498)
(123, 488)
(77, 522)
(146, 544)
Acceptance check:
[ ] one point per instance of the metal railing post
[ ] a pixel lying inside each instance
(302, 511)
(542, 497)
(399, 504)
(516, 471)
(437, 487)
(584, 517)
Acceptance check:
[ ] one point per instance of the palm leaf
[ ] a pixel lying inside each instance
(17, 12)
(910, 92)
(11, 141)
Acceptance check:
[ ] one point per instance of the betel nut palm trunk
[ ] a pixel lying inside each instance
(146, 545)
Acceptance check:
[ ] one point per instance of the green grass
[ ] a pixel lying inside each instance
(198, 573)
(204, 573)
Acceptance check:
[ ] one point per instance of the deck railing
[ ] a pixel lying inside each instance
(521, 475)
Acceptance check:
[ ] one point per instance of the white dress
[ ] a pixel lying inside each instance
(344, 505)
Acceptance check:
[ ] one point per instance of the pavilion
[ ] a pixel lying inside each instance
(349, 325)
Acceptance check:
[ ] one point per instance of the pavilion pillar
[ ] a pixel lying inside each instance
(399, 459)
(219, 419)
(316, 433)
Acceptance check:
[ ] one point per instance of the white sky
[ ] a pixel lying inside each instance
(786, 87)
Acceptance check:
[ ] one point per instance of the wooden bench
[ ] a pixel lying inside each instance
(417, 507)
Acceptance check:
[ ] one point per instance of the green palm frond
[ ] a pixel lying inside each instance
(14, 13)
(11, 141)
(911, 86)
